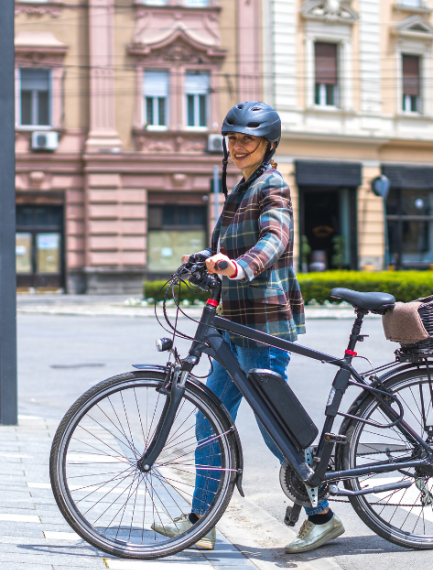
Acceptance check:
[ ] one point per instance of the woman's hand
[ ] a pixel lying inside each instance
(185, 258)
(230, 271)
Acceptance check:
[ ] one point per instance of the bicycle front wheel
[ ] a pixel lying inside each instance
(404, 516)
(101, 492)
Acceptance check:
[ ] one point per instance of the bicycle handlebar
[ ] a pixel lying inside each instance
(220, 265)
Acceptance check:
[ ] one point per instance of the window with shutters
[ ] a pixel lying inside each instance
(35, 95)
(411, 83)
(197, 87)
(326, 74)
(156, 91)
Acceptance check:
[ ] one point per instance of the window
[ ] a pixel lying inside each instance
(326, 74)
(410, 227)
(156, 2)
(174, 230)
(35, 96)
(196, 3)
(156, 84)
(411, 3)
(411, 83)
(197, 91)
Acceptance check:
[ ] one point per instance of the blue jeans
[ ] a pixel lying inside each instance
(208, 454)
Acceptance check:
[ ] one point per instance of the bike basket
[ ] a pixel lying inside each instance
(411, 325)
(286, 406)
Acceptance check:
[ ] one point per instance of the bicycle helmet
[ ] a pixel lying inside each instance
(258, 120)
(253, 118)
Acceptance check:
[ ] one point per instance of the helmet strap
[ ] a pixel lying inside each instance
(224, 172)
(260, 170)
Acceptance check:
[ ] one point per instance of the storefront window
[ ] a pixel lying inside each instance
(39, 246)
(410, 227)
(48, 253)
(173, 232)
(23, 252)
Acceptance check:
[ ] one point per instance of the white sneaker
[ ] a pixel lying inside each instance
(182, 524)
(312, 536)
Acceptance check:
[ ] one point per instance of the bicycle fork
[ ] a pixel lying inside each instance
(179, 377)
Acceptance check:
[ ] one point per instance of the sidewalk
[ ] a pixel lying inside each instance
(33, 533)
(118, 305)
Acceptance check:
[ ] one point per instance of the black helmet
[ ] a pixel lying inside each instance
(253, 118)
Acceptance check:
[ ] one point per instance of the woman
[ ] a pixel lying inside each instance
(259, 289)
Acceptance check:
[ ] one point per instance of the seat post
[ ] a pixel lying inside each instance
(354, 335)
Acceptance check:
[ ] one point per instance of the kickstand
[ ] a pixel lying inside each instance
(292, 514)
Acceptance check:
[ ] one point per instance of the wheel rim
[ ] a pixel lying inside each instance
(108, 499)
(407, 512)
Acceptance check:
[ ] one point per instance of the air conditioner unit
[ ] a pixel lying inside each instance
(215, 143)
(45, 140)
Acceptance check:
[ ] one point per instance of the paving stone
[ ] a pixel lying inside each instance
(88, 562)
(28, 566)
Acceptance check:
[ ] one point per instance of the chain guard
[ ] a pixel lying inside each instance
(295, 489)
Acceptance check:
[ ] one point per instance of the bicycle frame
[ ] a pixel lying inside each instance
(208, 340)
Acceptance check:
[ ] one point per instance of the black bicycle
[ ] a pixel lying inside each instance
(126, 455)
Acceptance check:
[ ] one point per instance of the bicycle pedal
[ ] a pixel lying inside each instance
(335, 438)
(292, 515)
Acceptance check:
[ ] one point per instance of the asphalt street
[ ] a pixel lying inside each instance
(62, 356)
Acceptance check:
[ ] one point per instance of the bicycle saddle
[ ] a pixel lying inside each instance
(375, 302)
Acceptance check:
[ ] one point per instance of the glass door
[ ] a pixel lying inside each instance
(39, 247)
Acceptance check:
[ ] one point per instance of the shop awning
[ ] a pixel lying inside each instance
(410, 177)
(328, 173)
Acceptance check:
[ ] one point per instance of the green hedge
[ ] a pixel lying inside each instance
(404, 285)
(152, 288)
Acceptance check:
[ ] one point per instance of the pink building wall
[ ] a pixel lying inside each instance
(105, 183)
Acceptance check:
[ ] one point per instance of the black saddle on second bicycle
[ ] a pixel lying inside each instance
(375, 302)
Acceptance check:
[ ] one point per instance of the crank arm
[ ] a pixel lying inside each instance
(335, 490)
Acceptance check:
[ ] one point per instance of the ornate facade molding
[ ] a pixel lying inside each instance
(414, 27)
(331, 11)
(52, 8)
(177, 36)
(33, 48)
(169, 142)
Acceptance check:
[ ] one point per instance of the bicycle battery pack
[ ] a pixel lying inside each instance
(282, 400)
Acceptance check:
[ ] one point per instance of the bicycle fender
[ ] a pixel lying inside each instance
(217, 401)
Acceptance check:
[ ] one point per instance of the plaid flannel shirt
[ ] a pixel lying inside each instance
(256, 229)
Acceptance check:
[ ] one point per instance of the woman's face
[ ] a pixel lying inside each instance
(246, 151)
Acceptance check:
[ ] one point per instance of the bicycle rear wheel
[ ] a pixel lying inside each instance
(405, 516)
(98, 486)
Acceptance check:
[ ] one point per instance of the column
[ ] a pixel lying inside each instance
(103, 134)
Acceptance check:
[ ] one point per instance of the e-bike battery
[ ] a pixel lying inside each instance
(283, 401)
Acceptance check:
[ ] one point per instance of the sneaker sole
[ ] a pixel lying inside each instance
(202, 543)
(317, 544)
(205, 543)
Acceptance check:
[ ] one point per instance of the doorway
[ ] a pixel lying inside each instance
(39, 247)
(328, 220)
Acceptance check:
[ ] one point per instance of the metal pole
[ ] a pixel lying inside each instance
(8, 358)
(216, 191)
(385, 224)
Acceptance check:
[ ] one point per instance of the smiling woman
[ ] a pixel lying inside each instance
(254, 237)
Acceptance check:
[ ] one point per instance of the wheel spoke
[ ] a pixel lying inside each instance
(401, 513)
(110, 500)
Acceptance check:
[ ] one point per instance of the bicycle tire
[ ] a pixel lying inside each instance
(73, 456)
(404, 508)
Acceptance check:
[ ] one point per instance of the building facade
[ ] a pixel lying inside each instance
(118, 110)
(352, 81)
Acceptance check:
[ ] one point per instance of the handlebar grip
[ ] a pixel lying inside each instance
(221, 265)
